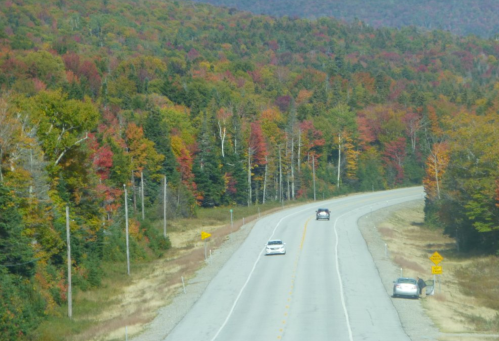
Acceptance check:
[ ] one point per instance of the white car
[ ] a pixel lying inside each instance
(275, 247)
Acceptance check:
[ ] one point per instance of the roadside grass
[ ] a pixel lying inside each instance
(480, 280)
(222, 214)
(481, 323)
(407, 264)
(131, 301)
(466, 296)
(86, 305)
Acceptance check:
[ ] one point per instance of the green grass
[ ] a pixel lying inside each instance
(59, 328)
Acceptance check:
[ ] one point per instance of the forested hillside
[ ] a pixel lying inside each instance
(233, 109)
(463, 17)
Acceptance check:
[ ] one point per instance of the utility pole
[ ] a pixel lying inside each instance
(70, 300)
(126, 224)
(313, 172)
(280, 176)
(164, 207)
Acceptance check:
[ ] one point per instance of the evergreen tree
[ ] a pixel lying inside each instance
(156, 130)
(206, 168)
(16, 253)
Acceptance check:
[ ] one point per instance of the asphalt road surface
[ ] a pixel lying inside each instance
(325, 288)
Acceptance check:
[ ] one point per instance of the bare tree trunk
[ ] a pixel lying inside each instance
(288, 187)
(265, 181)
(70, 290)
(298, 158)
(222, 133)
(339, 159)
(1, 157)
(313, 172)
(280, 175)
(256, 192)
(133, 193)
(249, 176)
(292, 168)
(164, 206)
(435, 162)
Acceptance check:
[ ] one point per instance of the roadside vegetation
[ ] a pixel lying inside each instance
(478, 278)
(465, 299)
(104, 102)
(103, 312)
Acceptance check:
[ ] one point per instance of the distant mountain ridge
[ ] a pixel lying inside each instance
(462, 17)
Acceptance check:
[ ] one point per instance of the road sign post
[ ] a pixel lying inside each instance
(231, 221)
(436, 258)
(436, 270)
(205, 236)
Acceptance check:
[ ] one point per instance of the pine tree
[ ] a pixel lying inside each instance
(207, 169)
(156, 130)
(16, 253)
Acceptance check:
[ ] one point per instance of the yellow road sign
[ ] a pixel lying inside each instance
(436, 270)
(205, 235)
(436, 258)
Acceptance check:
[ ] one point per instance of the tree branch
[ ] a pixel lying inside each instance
(66, 149)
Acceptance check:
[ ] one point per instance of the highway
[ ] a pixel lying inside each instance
(325, 288)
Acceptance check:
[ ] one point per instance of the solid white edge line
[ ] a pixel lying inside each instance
(258, 259)
(342, 295)
(250, 274)
(338, 263)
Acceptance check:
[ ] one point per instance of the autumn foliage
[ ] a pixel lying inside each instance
(99, 97)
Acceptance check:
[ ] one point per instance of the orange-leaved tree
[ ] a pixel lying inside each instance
(436, 164)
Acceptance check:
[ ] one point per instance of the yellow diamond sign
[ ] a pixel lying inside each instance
(436, 270)
(436, 258)
(205, 235)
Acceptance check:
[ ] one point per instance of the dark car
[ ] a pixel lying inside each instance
(322, 213)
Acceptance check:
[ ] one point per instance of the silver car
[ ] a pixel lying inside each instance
(405, 287)
(275, 247)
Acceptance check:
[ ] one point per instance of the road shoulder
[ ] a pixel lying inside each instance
(415, 321)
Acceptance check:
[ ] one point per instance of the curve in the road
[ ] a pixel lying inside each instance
(347, 303)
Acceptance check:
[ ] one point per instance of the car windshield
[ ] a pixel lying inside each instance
(323, 209)
(407, 280)
(275, 242)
